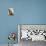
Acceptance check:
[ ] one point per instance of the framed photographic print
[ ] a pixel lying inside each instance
(10, 11)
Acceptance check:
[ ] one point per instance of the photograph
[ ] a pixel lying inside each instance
(10, 12)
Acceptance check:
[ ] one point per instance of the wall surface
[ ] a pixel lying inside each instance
(26, 12)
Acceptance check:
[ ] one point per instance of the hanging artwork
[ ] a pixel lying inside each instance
(10, 11)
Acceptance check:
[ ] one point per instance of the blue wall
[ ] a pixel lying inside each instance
(26, 12)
